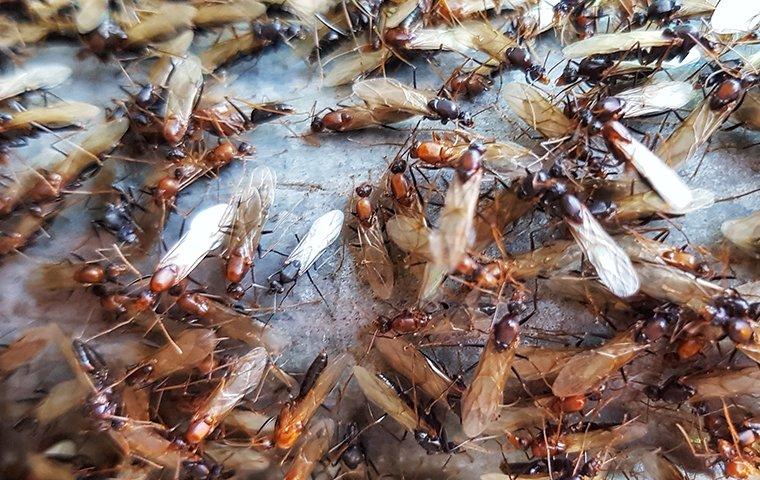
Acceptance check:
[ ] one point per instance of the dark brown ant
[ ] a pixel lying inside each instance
(506, 330)
(90, 274)
(406, 322)
(593, 69)
(447, 110)
(117, 218)
(203, 470)
(312, 373)
(731, 90)
(658, 11)
(470, 84)
(359, 16)
(583, 20)
(431, 442)
(732, 312)
(672, 391)
(353, 455)
(521, 59)
(275, 30)
(103, 404)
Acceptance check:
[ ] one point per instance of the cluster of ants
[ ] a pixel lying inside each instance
(195, 384)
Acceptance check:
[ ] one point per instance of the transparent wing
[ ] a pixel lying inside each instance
(674, 285)
(535, 363)
(656, 466)
(361, 116)
(601, 438)
(725, 384)
(234, 324)
(33, 341)
(658, 174)
(33, 78)
(182, 90)
(655, 98)
(306, 9)
(483, 398)
(409, 234)
(346, 67)
(557, 256)
(587, 370)
(390, 93)
(252, 211)
(432, 278)
(382, 395)
(236, 11)
(305, 407)
(323, 232)
(168, 19)
(690, 8)
(205, 234)
(459, 39)
(646, 204)
(61, 114)
(752, 349)
(404, 358)
(616, 42)
(744, 233)
(748, 113)
(375, 260)
(691, 134)
(195, 345)
(244, 375)
(613, 266)
(523, 415)
(449, 242)
(535, 109)
(90, 15)
(315, 444)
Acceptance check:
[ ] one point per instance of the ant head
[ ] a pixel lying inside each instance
(364, 190)
(465, 118)
(536, 73)
(317, 125)
(398, 166)
(276, 287)
(570, 74)
(639, 18)
(176, 154)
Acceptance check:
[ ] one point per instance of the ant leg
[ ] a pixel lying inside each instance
(327, 305)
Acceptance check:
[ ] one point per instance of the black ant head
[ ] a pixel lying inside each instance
(639, 18)
(465, 118)
(317, 125)
(398, 166)
(536, 73)
(276, 287)
(176, 154)
(364, 190)
(534, 184)
(570, 74)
